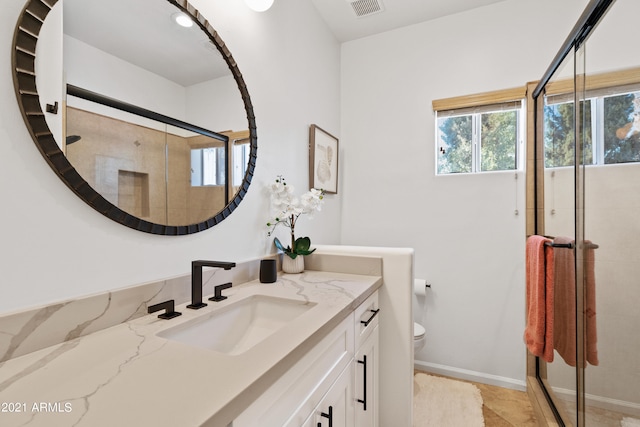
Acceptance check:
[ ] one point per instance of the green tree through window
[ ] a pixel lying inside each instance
(616, 130)
(558, 135)
(621, 135)
(478, 142)
(499, 136)
(456, 135)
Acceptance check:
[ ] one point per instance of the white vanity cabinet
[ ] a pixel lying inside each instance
(328, 381)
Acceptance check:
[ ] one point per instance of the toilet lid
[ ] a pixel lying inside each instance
(418, 331)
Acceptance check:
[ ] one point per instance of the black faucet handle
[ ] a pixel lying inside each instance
(168, 306)
(217, 295)
(216, 264)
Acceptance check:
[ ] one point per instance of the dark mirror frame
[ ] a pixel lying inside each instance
(24, 79)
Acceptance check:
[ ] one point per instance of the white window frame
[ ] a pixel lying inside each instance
(476, 147)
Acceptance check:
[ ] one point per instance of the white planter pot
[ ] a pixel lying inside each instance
(292, 265)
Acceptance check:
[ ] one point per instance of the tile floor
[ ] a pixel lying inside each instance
(505, 407)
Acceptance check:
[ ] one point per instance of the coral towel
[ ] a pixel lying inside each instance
(565, 304)
(538, 333)
(590, 312)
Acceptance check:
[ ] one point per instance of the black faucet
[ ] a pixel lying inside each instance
(196, 280)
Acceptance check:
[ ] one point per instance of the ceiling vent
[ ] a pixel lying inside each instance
(364, 8)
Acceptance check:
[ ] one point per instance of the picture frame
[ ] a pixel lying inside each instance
(323, 160)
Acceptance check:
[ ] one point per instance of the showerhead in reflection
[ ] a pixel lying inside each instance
(73, 138)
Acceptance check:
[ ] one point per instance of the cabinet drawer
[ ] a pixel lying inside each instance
(366, 318)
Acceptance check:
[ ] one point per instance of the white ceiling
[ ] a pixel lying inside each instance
(141, 32)
(346, 25)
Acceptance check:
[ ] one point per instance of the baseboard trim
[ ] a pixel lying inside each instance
(615, 405)
(465, 374)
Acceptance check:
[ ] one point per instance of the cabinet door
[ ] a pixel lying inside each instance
(336, 407)
(366, 382)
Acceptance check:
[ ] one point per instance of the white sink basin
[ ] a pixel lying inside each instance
(239, 326)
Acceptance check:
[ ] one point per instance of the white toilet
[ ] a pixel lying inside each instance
(418, 337)
(420, 287)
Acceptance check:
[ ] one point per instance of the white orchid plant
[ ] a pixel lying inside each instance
(289, 208)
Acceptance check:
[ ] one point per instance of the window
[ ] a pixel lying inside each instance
(240, 162)
(207, 166)
(559, 133)
(481, 139)
(610, 122)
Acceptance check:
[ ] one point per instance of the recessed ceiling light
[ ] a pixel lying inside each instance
(182, 19)
(259, 5)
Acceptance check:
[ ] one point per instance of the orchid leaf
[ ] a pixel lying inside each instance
(302, 244)
(300, 252)
(278, 244)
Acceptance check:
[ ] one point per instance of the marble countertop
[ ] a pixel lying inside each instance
(126, 375)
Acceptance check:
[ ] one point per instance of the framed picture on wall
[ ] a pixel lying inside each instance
(323, 160)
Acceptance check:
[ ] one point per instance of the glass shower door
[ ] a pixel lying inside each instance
(611, 222)
(591, 195)
(588, 190)
(561, 127)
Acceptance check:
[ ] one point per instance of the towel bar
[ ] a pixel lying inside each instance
(570, 245)
(560, 245)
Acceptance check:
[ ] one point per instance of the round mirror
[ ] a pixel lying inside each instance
(150, 129)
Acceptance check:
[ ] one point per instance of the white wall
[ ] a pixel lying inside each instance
(90, 68)
(468, 242)
(215, 104)
(56, 247)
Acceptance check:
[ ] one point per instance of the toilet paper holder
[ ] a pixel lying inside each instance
(420, 286)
